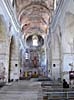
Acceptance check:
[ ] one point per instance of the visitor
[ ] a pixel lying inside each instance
(65, 84)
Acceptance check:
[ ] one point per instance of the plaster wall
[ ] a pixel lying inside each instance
(66, 22)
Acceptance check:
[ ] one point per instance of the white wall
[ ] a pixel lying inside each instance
(66, 22)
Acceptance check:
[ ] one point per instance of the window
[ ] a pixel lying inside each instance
(35, 40)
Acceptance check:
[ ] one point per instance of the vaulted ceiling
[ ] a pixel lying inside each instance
(34, 15)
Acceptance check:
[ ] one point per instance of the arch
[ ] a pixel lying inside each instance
(56, 55)
(33, 33)
(14, 58)
(38, 38)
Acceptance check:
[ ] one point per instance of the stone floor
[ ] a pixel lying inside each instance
(21, 90)
(34, 90)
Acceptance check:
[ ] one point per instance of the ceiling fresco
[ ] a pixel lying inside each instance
(34, 15)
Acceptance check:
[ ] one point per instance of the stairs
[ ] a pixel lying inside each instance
(55, 91)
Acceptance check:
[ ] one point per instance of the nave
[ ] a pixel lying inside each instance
(36, 49)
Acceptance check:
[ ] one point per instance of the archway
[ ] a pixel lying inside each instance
(56, 54)
(14, 59)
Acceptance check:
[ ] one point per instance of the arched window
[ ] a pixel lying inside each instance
(35, 40)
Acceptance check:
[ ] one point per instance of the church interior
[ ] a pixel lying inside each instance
(36, 49)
